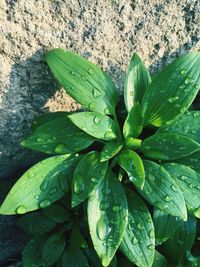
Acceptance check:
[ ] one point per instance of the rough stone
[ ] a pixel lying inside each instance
(105, 31)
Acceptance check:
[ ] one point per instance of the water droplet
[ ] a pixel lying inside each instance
(103, 228)
(104, 205)
(183, 72)
(150, 247)
(187, 80)
(172, 99)
(44, 185)
(61, 148)
(84, 78)
(84, 129)
(92, 106)
(134, 240)
(109, 135)
(72, 88)
(21, 210)
(96, 93)
(140, 226)
(97, 120)
(90, 71)
(79, 185)
(174, 188)
(53, 190)
(168, 198)
(151, 233)
(131, 93)
(36, 197)
(116, 208)
(94, 180)
(106, 111)
(39, 139)
(184, 178)
(44, 203)
(191, 186)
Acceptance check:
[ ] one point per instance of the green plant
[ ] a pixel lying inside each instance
(132, 176)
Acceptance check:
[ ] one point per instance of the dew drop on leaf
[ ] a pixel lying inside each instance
(174, 188)
(44, 203)
(106, 111)
(134, 241)
(116, 208)
(91, 106)
(140, 226)
(97, 120)
(150, 247)
(103, 228)
(187, 80)
(96, 93)
(72, 73)
(173, 99)
(21, 210)
(183, 72)
(53, 190)
(44, 185)
(168, 198)
(90, 71)
(78, 185)
(60, 148)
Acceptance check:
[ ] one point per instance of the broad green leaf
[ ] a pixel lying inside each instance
(73, 258)
(59, 136)
(56, 213)
(47, 117)
(133, 124)
(172, 91)
(140, 228)
(95, 124)
(192, 161)
(40, 186)
(165, 225)
(107, 217)
(137, 81)
(87, 176)
(161, 191)
(77, 240)
(189, 182)
(131, 162)
(110, 150)
(168, 146)
(159, 260)
(36, 223)
(32, 253)
(187, 124)
(83, 81)
(53, 248)
(181, 241)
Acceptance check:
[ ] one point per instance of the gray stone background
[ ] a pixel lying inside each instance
(106, 32)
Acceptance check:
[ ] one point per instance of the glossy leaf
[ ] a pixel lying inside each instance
(138, 243)
(131, 162)
(47, 117)
(137, 81)
(192, 161)
(110, 150)
(181, 241)
(95, 124)
(133, 124)
(159, 260)
(161, 191)
(168, 146)
(53, 248)
(87, 176)
(107, 217)
(83, 81)
(73, 257)
(165, 225)
(40, 186)
(59, 136)
(172, 91)
(189, 182)
(36, 223)
(32, 253)
(56, 213)
(187, 124)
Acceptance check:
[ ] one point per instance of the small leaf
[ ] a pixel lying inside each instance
(187, 124)
(59, 136)
(73, 258)
(53, 248)
(83, 81)
(172, 91)
(158, 190)
(95, 124)
(133, 124)
(107, 217)
(87, 176)
(137, 81)
(181, 241)
(159, 260)
(168, 146)
(56, 213)
(131, 162)
(165, 225)
(36, 223)
(40, 186)
(110, 150)
(192, 161)
(32, 253)
(189, 182)
(138, 243)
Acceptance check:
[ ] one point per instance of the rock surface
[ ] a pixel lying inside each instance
(107, 32)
